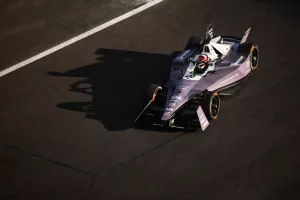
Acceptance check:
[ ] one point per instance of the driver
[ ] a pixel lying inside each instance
(202, 64)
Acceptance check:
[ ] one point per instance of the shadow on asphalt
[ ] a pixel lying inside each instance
(117, 83)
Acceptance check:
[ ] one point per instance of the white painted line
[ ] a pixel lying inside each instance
(79, 37)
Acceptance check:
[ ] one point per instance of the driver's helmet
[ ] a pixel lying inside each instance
(202, 61)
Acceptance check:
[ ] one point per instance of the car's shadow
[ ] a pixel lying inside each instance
(117, 83)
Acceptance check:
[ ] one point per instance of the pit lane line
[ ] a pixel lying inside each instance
(79, 37)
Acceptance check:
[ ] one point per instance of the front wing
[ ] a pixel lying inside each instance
(183, 118)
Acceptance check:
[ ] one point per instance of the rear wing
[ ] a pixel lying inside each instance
(244, 38)
(209, 32)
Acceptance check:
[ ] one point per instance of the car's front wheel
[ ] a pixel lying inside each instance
(211, 105)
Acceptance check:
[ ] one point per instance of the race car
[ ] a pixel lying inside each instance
(200, 75)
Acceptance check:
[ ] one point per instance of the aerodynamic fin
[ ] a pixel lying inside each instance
(245, 36)
(209, 32)
(202, 118)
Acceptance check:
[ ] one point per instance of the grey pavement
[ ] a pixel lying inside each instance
(30, 27)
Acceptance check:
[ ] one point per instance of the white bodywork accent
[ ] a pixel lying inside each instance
(202, 118)
(217, 44)
(211, 54)
(209, 32)
(191, 68)
(208, 50)
(216, 39)
(222, 48)
(245, 36)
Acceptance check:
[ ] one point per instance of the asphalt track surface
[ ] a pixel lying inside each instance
(66, 120)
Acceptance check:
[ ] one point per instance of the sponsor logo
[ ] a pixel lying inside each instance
(179, 91)
(169, 109)
(202, 118)
(174, 100)
(183, 87)
(202, 121)
(205, 124)
(177, 97)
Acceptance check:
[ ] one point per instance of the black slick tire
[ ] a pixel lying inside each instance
(251, 49)
(211, 105)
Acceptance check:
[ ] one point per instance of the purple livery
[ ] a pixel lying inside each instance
(199, 76)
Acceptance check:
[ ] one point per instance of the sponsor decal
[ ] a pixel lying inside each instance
(183, 87)
(177, 97)
(202, 121)
(172, 104)
(205, 125)
(181, 90)
(174, 100)
(169, 109)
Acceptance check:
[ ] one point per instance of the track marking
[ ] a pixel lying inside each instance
(79, 37)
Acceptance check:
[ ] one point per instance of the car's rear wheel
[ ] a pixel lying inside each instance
(211, 105)
(152, 92)
(251, 49)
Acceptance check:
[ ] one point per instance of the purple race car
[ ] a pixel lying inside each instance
(200, 74)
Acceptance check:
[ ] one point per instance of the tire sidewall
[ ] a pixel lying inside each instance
(207, 103)
(254, 47)
(214, 95)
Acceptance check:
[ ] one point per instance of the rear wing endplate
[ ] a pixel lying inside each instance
(244, 38)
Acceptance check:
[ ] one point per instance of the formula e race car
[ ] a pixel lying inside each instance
(200, 75)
